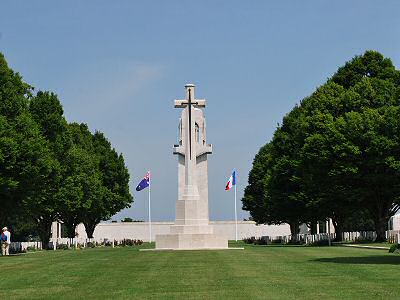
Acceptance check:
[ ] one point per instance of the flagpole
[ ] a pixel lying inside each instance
(149, 194)
(236, 229)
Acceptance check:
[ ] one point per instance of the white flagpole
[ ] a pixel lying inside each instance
(236, 230)
(149, 193)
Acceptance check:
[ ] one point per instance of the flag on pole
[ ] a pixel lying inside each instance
(231, 181)
(144, 183)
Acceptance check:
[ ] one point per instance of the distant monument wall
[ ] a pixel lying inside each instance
(140, 230)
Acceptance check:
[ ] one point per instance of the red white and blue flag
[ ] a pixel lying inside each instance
(144, 183)
(231, 181)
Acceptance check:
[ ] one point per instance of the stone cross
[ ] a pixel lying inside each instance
(192, 229)
(189, 104)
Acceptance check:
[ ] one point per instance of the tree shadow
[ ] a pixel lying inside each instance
(363, 260)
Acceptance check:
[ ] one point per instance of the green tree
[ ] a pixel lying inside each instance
(337, 152)
(79, 166)
(95, 186)
(47, 111)
(274, 194)
(51, 170)
(25, 160)
(114, 181)
(352, 159)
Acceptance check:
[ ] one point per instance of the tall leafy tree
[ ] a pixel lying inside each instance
(338, 151)
(114, 193)
(47, 111)
(96, 182)
(51, 170)
(274, 194)
(354, 157)
(25, 160)
(79, 167)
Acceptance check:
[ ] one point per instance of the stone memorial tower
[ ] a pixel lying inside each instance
(192, 229)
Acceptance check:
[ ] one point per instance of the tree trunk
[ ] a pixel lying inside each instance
(380, 213)
(90, 226)
(294, 231)
(313, 227)
(380, 224)
(338, 224)
(44, 230)
(70, 225)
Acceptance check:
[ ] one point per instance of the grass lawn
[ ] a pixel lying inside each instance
(258, 272)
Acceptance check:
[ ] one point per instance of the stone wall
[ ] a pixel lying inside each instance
(140, 230)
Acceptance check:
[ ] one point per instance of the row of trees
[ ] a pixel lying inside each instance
(336, 154)
(51, 169)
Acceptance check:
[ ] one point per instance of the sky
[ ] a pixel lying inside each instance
(118, 66)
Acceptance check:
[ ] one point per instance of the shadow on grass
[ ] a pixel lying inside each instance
(364, 260)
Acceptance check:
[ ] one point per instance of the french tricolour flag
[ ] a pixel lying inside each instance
(231, 181)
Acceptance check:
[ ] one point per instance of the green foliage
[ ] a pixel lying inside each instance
(63, 247)
(319, 243)
(127, 220)
(130, 242)
(256, 241)
(395, 248)
(51, 170)
(335, 154)
(91, 245)
(25, 158)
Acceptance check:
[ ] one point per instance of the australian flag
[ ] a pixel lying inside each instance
(144, 183)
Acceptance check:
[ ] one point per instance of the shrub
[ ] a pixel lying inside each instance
(261, 241)
(62, 247)
(90, 245)
(319, 243)
(277, 241)
(127, 220)
(363, 240)
(129, 242)
(395, 248)
(249, 240)
(16, 251)
(264, 240)
(297, 242)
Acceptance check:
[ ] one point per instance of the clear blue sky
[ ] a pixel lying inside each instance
(118, 66)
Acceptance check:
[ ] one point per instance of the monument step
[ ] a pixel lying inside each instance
(191, 241)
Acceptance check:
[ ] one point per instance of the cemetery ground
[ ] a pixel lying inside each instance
(257, 272)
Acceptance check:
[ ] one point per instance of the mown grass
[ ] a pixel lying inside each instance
(258, 272)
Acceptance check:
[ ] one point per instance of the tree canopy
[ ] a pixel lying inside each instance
(52, 170)
(336, 153)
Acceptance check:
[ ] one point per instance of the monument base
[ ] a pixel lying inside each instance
(191, 241)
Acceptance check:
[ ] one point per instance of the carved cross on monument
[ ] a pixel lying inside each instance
(189, 104)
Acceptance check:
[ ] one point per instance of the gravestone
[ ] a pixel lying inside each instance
(191, 229)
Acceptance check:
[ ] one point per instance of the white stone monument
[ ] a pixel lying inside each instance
(192, 229)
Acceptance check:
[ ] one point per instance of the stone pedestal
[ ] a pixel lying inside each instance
(191, 241)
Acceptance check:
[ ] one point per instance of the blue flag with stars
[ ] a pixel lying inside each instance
(144, 183)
